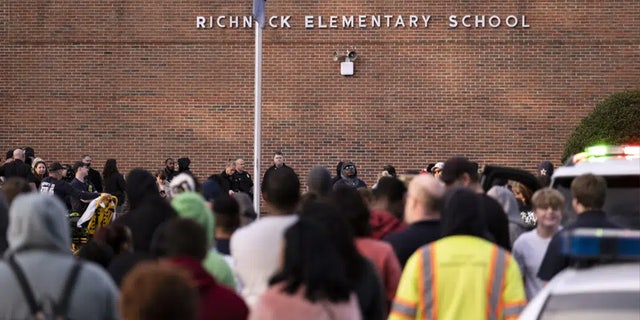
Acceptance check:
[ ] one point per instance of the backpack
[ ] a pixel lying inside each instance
(60, 308)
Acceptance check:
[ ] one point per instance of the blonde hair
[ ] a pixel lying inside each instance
(547, 198)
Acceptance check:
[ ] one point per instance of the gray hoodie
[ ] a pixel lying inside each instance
(39, 237)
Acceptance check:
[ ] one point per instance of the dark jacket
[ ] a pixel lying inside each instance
(116, 186)
(64, 191)
(554, 261)
(416, 235)
(224, 181)
(242, 182)
(86, 186)
(269, 172)
(497, 222)
(216, 301)
(371, 297)
(95, 178)
(147, 210)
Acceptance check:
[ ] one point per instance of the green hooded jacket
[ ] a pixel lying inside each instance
(192, 205)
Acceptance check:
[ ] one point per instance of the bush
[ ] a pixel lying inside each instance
(616, 120)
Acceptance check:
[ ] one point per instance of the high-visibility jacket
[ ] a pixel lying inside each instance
(459, 277)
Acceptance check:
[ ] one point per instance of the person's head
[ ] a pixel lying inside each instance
(183, 237)
(227, 213)
(18, 154)
(110, 167)
(329, 216)
(161, 178)
(141, 185)
(310, 260)
(389, 192)
(425, 199)
(459, 171)
(117, 236)
(547, 204)
(29, 153)
(153, 291)
(190, 204)
(9, 155)
(183, 164)
(463, 213)
(522, 193)
(98, 252)
(86, 159)
(81, 169)
(545, 168)
(57, 171)
(230, 167)
(278, 158)
(349, 170)
(38, 222)
(282, 190)
(183, 182)
(68, 172)
(354, 209)
(239, 165)
(589, 192)
(39, 167)
(436, 170)
(391, 170)
(169, 164)
(15, 186)
(319, 181)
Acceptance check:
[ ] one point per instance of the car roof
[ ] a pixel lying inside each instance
(610, 277)
(602, 167)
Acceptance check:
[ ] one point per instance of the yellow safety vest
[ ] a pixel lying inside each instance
(459, 277)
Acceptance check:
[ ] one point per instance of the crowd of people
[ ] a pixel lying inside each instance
(434, 245)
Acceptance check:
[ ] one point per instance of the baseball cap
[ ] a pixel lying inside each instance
(456, 167)
(545, 168)
(55, 166)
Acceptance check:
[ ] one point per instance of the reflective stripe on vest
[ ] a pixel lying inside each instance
(496, 282)
(429, 289)
(495, 285)
(403, 309)
(514, 309)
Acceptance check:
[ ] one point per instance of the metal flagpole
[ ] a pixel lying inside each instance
(259, 18)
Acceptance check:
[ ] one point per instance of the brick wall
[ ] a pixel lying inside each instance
(137, 81)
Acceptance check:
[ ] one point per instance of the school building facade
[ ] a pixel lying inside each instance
(501, 82)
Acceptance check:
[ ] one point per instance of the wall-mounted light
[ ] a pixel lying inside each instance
(346, 66)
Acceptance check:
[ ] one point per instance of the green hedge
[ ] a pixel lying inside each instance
(616, 120)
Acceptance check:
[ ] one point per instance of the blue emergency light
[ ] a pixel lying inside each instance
(587, 243)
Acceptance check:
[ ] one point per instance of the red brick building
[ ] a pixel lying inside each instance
(140, 81)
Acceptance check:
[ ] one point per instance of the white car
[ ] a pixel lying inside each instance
(609, 291)
(620, 167)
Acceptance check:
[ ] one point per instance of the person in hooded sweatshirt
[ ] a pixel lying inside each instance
(4, 223)
(192, 205)
(40, 245)
(349, 177)
(509, 204)
(147, 211)
(186, 246)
